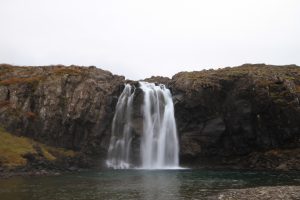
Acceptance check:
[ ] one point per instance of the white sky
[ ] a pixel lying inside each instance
(140, 38)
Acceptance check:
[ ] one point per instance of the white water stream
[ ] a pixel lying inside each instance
(120, 142)
(159, 143)
(159, 146)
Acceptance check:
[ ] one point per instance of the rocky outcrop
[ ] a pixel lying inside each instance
(241, 117)
(224, 115)
(158, 80)
(70, 107)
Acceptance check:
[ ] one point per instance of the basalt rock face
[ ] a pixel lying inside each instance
(241, 117)
(227, 116)
(70, 107)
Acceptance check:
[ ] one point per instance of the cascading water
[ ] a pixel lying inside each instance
(119, 148)
(159, 146)
(159, 143)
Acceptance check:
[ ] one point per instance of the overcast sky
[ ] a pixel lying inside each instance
(140, 38)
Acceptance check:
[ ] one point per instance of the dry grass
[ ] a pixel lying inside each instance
(262, 75)
(69, 70)
(13, 149)
(5, 68)
(59, 151)
(15, 80)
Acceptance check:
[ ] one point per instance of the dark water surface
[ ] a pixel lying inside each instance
(138, 184)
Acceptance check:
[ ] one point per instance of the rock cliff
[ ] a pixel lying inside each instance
(242, 117)
(70, 107)
(235, 116)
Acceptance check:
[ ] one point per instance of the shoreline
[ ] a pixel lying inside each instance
(5, 174)
(260, 193)
(281, 190)
(23, 172)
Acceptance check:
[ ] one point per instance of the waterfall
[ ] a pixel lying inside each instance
(159, 143)
(119, 148)
(159, 146)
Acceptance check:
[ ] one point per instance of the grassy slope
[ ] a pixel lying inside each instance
(13, 149)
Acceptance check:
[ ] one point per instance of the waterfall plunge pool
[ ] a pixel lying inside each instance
(139, 184)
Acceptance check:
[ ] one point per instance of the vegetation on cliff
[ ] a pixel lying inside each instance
(18, 151)
(68, 107)
(261, 74)
(240, 114)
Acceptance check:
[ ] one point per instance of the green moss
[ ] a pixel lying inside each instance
(13, 149)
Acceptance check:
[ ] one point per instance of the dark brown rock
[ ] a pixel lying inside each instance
(70, 107)
(226, 114)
